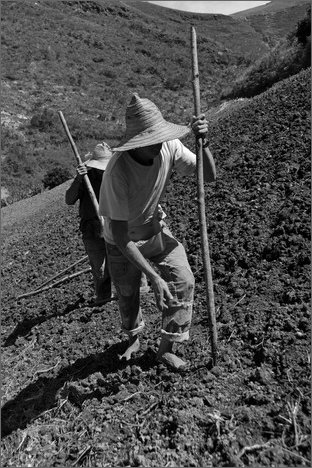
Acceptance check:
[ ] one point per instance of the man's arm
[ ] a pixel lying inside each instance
(130, 250)
(73, 193)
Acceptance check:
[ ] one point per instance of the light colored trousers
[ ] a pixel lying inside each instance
(169, 256)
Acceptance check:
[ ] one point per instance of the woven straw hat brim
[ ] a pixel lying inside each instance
(97, 164)
(158, 134)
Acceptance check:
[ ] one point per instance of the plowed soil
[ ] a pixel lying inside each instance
(68, 401)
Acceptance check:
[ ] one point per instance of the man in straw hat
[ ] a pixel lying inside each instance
(136, 239)
(90, 225)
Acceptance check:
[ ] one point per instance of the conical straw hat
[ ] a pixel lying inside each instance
(146, 126)
(100, 156)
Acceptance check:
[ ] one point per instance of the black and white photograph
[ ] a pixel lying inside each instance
(155, 233)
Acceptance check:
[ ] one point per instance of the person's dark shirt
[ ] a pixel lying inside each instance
(89, 222)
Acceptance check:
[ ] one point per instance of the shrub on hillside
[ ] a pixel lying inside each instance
(175, 81)
(47, 122)
(24, 168)
(10, 138)
(304, 28)
(56, 176)
(82, 129)
(109, 72)
(289, 56)
(18, 162)
(21, 187)
(44, 119)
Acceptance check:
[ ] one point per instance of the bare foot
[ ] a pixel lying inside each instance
(145, 289)
(134, 346)
(167, 357)
(171, 360)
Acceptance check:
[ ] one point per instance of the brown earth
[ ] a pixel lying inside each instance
(68, 401)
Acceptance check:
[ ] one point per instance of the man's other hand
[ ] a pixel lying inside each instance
(162, 293)
(199, 125)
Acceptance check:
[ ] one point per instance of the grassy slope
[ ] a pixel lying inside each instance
(239, 39)
(67, 46)
(85, 58)
(291, 54)
(275, 21)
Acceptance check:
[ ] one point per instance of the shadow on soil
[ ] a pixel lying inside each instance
(23, 328)
(46, 393)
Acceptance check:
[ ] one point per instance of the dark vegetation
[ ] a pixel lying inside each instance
(68, 401)
(56, 176)
(288, 57)
(86, 58)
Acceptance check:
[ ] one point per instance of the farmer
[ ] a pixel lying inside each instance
(136, 239)
(90, 225)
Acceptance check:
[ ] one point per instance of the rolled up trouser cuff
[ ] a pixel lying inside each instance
(175, 337)
(134, 331)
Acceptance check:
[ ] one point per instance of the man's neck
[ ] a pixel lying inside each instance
(145, 162)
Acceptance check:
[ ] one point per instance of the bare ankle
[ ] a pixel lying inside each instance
(133, 347)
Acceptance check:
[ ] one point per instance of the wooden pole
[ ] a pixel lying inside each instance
(61, 272)
(50, 286)
(85, 177)
(201, 205)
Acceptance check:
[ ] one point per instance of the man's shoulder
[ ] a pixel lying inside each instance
(171, 147)
(115, 163)
(172, 144)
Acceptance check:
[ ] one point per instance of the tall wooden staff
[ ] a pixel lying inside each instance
(85, 176)
(201, 205)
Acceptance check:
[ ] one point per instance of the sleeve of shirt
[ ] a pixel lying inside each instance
(74, 192)
(113, 199)
(184, 159)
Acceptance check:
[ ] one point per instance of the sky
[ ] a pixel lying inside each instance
(223, 7)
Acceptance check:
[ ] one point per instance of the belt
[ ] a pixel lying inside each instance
(144, 231)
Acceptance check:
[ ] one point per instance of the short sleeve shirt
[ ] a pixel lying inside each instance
(131, 191)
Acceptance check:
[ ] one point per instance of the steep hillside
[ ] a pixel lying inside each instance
(272, 7)
(86, 58)
(100, 51)
(239, 39)
(67, 400)
(275, 19)
(291, 55)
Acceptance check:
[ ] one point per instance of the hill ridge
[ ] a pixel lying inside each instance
(272, 7)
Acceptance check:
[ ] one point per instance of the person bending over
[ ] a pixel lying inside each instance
(137, 238)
